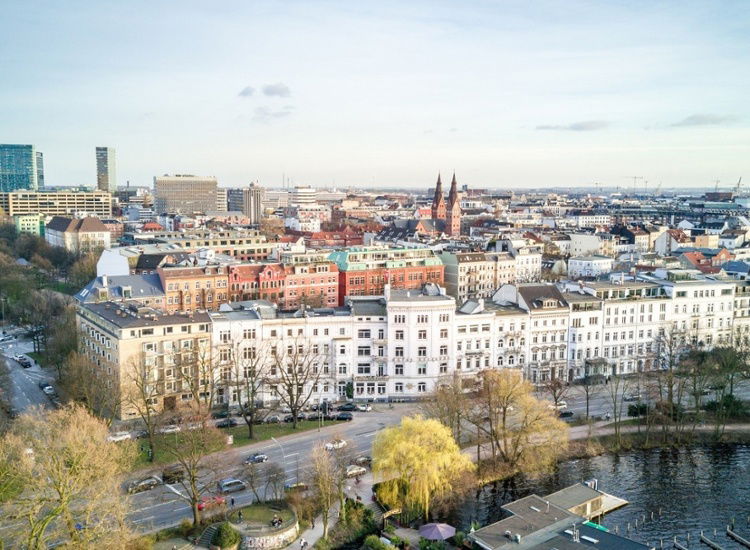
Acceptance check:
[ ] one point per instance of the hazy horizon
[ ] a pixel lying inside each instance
(510, 95)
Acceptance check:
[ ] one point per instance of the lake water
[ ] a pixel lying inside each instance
(696, 488)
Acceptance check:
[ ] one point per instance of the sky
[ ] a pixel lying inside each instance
(507, 94)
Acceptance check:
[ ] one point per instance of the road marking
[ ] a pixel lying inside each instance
(143, 519)
(175, 491)
(291, 454)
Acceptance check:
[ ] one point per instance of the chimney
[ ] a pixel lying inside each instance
(387, 291)
(104, 281)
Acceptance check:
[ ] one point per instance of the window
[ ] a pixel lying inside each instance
(399, 387)
(224, 336)
(421, 387)
(400, 319)
(399, 370)
(399, 335)
(443, 350)
(422, 319)
(363, 368)
(422, 369)
(363, 333)
(422, 335)
(443, 368)
(443, 333)
(421, 351)
(363, 351)
(444, 317)
(399, 351)
(342, 368)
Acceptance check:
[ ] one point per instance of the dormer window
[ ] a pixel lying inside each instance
(549, 303)
(127, 292)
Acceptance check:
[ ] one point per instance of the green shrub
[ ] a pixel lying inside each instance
(729, 405)
(185, 528)
(639, 409)
(145, 542)
(459, 538)
(226, 536)
(373, 542)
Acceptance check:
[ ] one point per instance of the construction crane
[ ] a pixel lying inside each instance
(658, 187)
(635, 182)
(716, 186)
(737, 187)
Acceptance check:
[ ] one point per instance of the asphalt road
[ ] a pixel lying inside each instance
(25, 392)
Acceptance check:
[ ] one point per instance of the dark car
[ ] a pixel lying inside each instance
(226, 423)
(145, 484)
(290, 418)
(140, 434)
(221, 414)
(173, 474)
(256, 458)
(347, 407)
(566, 414)
(331, 416)
(24, 362)
(345, 416)
(272, 419)
(43, 385)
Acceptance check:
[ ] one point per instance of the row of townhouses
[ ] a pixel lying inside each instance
(400, 345)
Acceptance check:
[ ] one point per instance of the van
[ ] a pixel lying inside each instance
(173, 474)
(231, 485)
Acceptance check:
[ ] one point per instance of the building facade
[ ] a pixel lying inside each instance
(185, 194)
(57, 203)
(78, 235)
(106, 169)
(20, 168)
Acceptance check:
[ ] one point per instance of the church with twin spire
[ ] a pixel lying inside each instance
(449, 213)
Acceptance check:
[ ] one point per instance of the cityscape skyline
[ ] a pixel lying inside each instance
(359, 96)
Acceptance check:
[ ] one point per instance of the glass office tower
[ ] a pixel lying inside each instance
(18, 167)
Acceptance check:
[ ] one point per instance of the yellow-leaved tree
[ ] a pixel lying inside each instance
(417, 462)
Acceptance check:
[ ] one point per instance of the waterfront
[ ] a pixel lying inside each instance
(696, 488)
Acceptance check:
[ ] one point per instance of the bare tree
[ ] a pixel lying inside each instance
(323, 480)
(198, 373)
(275, 476)
(297, 367)
(191, 448)
(449, 404)
(557, 389)
(84, 382)
(616, 389)
(141, 395)
(70, 477)
(249, 375)
(254, 474)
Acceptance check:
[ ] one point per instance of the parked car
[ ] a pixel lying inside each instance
(335, 445)
(354, 471)
(170, 429)
(272, 419)
(209, 502)
(330, 416)
(560, 405)
(140, 434)
(256, 458)
(145, 484)
(25, 362)
(290, 418)
(363, 460)
(631, 397)
(289, 487)
(43, 385)
(119, 436)
(345, 416)
(566, 414)
(364, 407)
(347, 407)
(172, 474)
(221, 414)
(227, 423)
(231, 485)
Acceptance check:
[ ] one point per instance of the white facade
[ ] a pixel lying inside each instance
(589, 266)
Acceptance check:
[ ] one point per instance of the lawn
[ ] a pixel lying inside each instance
(263, 513)
(262, 432)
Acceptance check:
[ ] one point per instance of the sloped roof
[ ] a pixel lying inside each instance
(534, 295)
(76, 225)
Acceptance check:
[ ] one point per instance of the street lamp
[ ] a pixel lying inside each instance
(283, 454)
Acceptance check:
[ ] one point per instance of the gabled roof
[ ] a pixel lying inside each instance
(76, 225)
(141, 287)
(535, 294)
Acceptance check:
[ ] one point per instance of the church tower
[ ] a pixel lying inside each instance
(438, 202)
(453, 217)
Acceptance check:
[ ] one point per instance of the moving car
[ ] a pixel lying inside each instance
(631, 397)
(295, 487)
(118, 436)
(335, 445)
(226, 423)
(345, 416)
(256, 458)
(170, 429)
(231, 485)
(173, 474)
(209, 502)
(354, 471)
(363, 460)
(145, 484)
(347, 407)
(566, 414)
(364, 407)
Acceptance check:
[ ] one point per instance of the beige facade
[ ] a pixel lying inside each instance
(185, 194)
(133, 344)
(57, 203)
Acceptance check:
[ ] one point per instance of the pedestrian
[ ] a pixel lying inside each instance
(303, 544)
(239, 515)
(312, 522)
(231, 502)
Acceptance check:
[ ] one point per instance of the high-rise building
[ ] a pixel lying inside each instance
(304, 195)
(40, 169)
(248, 200)
(221, 199)
(185, 194)
(106, 176)
(18, 167)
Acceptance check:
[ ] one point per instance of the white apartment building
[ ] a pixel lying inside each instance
(589, 266)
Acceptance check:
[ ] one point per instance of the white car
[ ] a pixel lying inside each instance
(170, 429)
(119, 436)
(354, 471)
(364, 407)
(335, 445)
